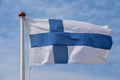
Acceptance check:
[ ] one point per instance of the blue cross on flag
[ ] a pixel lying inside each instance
(66, 41)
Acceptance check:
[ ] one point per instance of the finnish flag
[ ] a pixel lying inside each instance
(66, 41)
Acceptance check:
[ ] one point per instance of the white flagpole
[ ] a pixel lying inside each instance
(22, 57)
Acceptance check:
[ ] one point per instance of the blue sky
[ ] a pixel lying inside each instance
(100, 12)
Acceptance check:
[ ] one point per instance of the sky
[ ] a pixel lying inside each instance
(99, 12)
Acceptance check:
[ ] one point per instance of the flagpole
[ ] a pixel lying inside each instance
(22, 56)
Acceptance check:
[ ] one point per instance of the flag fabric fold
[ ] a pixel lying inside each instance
(66, 41)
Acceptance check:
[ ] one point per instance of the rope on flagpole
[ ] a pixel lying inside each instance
(22, 56)
(30, 73)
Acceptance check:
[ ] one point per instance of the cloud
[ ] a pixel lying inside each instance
(92, 11)
(53, 75)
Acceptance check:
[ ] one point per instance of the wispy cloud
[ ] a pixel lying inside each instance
(53, 75)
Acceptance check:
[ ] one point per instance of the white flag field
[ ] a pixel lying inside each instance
(55, 41)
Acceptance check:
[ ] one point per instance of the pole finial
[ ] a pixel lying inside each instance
(20, 14)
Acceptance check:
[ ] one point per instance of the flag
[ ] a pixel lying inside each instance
(67, 41)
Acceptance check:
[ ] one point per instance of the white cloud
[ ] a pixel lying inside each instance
(53, 75)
